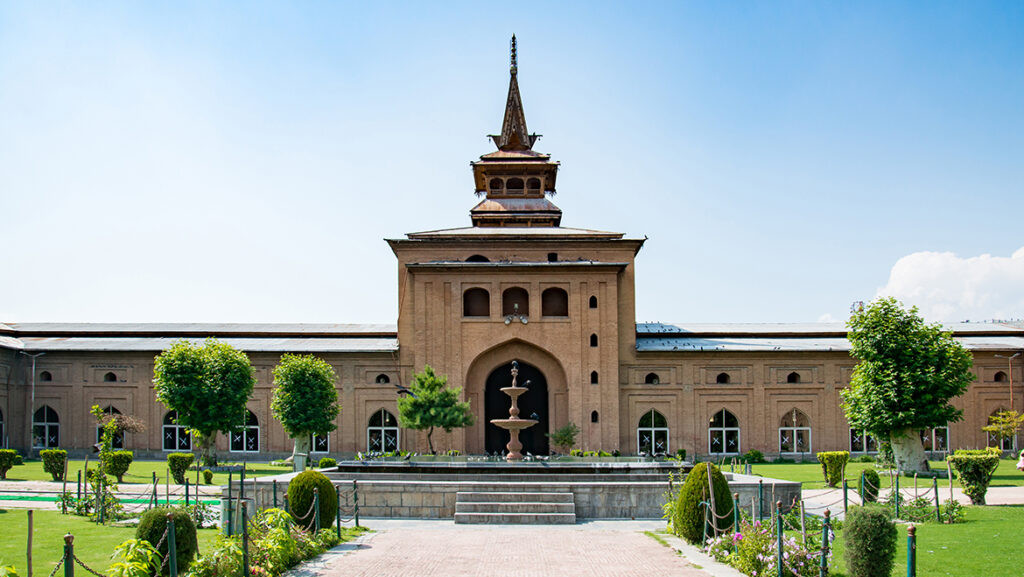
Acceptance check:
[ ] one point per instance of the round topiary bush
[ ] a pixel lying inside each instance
(208, 476)
(327, 462)
(688, 516)
(871, 485)
(117, 463)
(300, 499)
(152, 525)
(870, 537)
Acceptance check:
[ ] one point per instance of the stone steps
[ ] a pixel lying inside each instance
(514, 507)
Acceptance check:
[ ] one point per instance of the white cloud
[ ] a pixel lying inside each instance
(946, 287)
(827, 318)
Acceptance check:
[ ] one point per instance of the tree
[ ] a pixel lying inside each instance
(1004, 424)
(305, 401)
(430, 403)
(907, 374)
(208, 386)
(565, 437)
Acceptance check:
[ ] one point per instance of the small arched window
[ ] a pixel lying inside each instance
(593, 377)
(478, 258)
(515, 300)
(45, 428)
(722, 379)
(593, 340)
(45, 376)
(593, 302)
(476, 302)
(793, 377)
(533, 184)
(651, 379)
(514, 185)
(382, 379)
(593, 416)
(248, 439)
(554, 302)
(1000, 377)
(495, 184)
(109, 378)
(382, 432)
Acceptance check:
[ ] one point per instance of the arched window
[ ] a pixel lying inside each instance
(593, 302)
(247, 440)
(514, 185)
(45, 428)
(861, 442)
(593, 340)
(554, 302)
(476, 302)
(795, 432)
(793, 377)
(1003, 443)
(176, 437)
(118, 442)
(652, 434)
(319, 444)
(935, 440)
(724, 434)
(495, 184)
(533, 184)
(45, 376)
(722, 379)
(652, 379)
(478, 258)
(593, 377)
(1000, 377)
(110, 378)
(382, 432)
(382, 379)
(515, 300)
(594, 416)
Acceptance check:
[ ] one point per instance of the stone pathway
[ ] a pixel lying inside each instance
(410, 548)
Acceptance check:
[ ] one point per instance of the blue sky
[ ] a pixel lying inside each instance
(243, 162)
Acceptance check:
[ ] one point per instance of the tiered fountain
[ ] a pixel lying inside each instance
(513, 424)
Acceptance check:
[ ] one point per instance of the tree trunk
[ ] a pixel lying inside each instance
(299, 453)
(207, 453)
(908, 451)
(430, 443)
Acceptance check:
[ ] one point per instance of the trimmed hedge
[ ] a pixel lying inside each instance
(8, 458)
(974, 470)
(833, 466)
(117, 463)
(208, 476)
(327, 462)
(871, 485)
(300, 499)
(151, 528)
(688, 514)
(870, 538)
(53, 462)
(179, 464)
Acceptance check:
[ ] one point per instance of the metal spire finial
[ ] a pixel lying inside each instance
(515, 63)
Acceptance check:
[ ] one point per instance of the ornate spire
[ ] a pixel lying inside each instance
(514, 135)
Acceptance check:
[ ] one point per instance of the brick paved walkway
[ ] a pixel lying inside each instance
(436, 548)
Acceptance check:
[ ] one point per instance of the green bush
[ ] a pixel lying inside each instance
(7, 460)
(53, 462)
(974, 470)
(863, 459)
(870, 538)
(688, 513)
(680, 454)
(208, 476)
(117, 463)
(833, 466)
(327, 462)
(753, 456)
(151, 528)
(871, 485)
(179, 464)
(300, 499)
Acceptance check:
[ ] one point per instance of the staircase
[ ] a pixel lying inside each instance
(518, 507)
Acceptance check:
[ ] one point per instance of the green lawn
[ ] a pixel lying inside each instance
(139, 472)
(93, 543)
(809, 474)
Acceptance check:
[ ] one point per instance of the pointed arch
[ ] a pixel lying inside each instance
(382, 432)
(652, 434)
(723, 433)
(247, 440)
(45, 428)
(175, 437)
(794, 432)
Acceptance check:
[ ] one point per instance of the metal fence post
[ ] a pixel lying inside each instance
(911, 551)
(337, 514)
(79, 483)
(186, 491)
(735, 512)
(156, 499)
(172, 547)
(896, 493)
(275, 493)
(823, 570)
(69, 555)
(935, 488)
(760, 499)
(846, 499)
(316, 508)
(101, 497)
(245, 538)
(861, 490)
(286, 503)
(778, 532)
(355, 501)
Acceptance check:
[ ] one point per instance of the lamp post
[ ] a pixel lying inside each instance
(32, 405)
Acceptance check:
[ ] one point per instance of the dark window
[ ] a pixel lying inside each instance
(45, 376)
(495, 184)
(533, 184)
(554, 302)
(552, 257)
(176, 437)
(722, 378)
(795, 432)
(593, 416)
(593, 377)
(382, 432)
(476, 302)
(514, 185)
(652, 379)
(593, 340)
(593, 302)
(793, 378)
(45, 428)
(652, 434)
(1000, 377)
(515, 301)
(724, 433)
(109, 378)
(478, 258)
(118, 441)
(382, 379)
(319, 443)
(248, 439)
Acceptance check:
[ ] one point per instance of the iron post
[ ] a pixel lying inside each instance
(911, 551)
(245, 538)
(823, 568)
(172, 547)
(69, 555)
(778, 532)
(316, 508)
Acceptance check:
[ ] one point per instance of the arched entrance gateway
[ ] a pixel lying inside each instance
(534, 402)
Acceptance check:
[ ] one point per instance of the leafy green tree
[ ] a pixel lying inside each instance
(208, 386)
(565, 437)
(305, 401)
(1004, 424)
(907, 373)
(430, 403)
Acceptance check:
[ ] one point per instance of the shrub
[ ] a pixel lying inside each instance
(300, 498)
(151, 528)
(327, 462)
(974, 470)
(208, 476)
(753, 456)
(833, 466)
(871, 483)
(870, 538)
(179, 464)
(7, 460)
(53, 462)
(117, 463)
(565, 437)
(863, 459)
(680, 454)
(688, 514)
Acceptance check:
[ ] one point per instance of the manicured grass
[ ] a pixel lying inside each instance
(809, 474)
(93, 543)
(139, 472)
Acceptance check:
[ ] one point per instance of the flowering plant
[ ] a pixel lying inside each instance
(753, 550)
